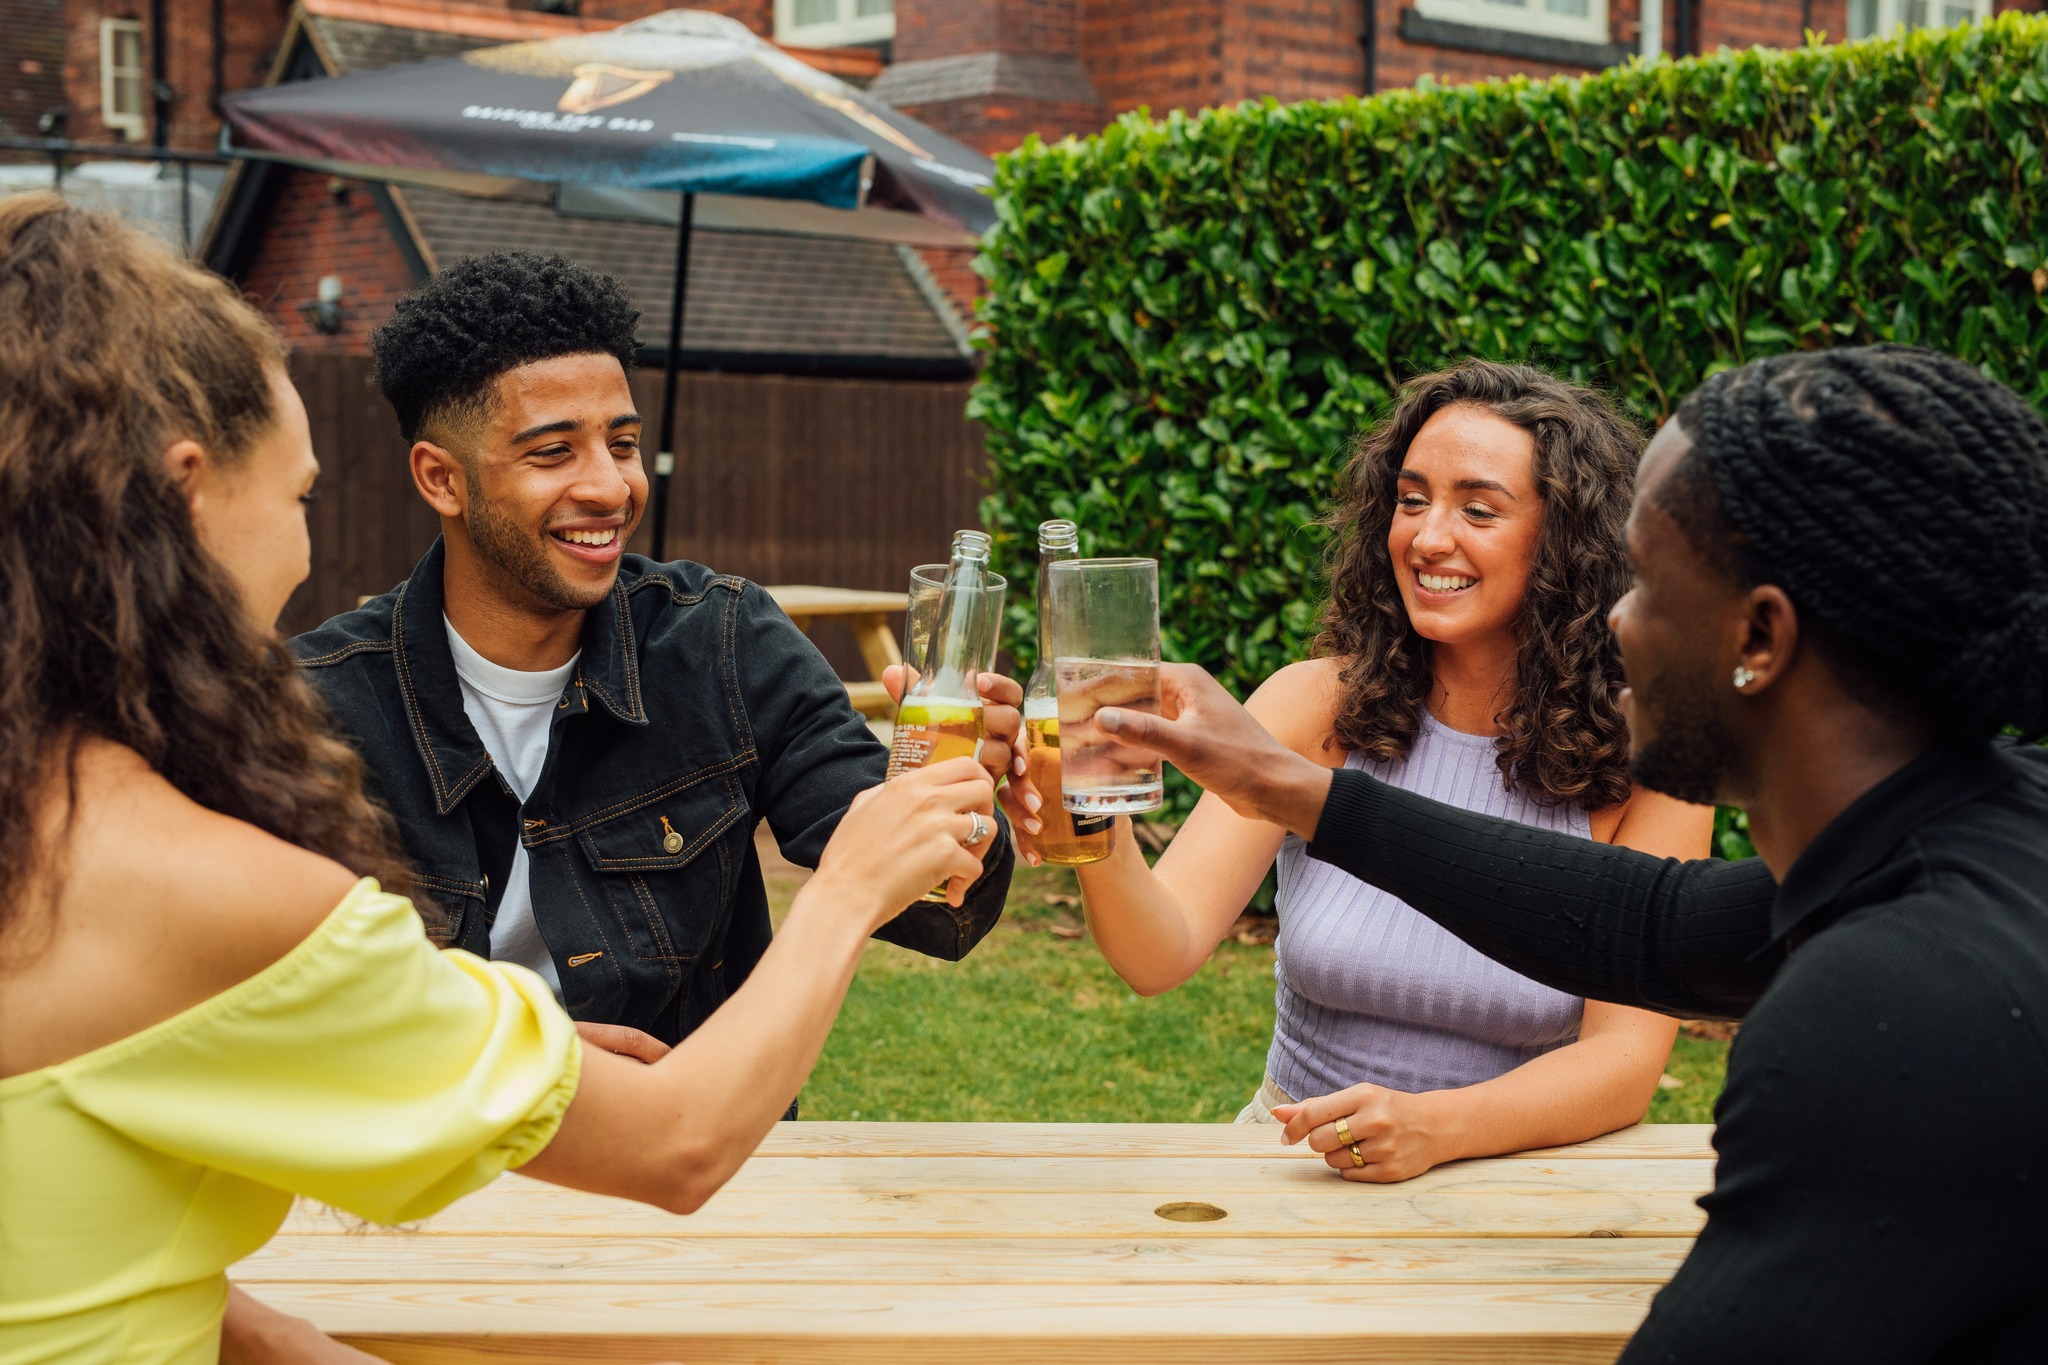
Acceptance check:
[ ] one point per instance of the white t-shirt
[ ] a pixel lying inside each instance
(512, 711)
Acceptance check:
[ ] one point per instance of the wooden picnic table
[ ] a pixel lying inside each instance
(867, 614)
(999, 1244)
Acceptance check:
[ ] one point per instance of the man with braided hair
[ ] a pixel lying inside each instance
(1841, 599)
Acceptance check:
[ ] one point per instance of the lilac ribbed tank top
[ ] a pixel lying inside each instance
(1368, 989)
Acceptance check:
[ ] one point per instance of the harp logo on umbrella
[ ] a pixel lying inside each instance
(600, 85)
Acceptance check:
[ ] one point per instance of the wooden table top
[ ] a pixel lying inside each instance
(804, 599)
(1002, 1243)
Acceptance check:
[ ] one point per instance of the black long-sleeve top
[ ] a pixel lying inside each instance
(1882, 1189)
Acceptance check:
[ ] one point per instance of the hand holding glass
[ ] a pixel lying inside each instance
(1105, 639)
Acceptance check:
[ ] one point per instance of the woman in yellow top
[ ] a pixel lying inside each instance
(207, 1005)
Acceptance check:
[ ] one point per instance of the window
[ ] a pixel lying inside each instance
(121, 77)
(834, 23)
(1870, 17)
(1579, 20)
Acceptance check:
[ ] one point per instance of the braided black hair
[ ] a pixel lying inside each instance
(449, 340)
(1900, 498)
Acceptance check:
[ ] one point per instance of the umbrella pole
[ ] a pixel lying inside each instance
(665, 452)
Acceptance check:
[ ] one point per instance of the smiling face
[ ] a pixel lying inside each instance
(550, 484)
(1467, 523)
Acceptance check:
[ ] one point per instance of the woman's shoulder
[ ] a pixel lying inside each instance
(161, 903)
(1651, 822)
(1298, 704)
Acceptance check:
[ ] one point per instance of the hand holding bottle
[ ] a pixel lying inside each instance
(906, 836)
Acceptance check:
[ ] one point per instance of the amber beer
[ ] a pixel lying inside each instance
(1064, 839)
(932, 730)
(940, 717)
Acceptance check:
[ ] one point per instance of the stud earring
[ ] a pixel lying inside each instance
(1743, 677)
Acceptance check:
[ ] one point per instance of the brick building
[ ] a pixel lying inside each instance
(988, 71)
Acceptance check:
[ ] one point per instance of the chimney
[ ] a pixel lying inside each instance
(990, 71)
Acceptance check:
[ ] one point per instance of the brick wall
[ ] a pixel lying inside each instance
(313, 232)
(1762, 23)
(251, 32)
(1161, 54)
(31, 63)
(945, 28)
(1292, 49)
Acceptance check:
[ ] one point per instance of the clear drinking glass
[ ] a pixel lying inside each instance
(927, 585)
(1105, 640)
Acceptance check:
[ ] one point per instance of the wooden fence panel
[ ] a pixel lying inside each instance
(780, 479)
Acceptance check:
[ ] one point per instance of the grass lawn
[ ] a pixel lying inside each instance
(1035, 1027)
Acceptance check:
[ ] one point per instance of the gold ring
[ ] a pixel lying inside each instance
(1344, 1131)
(1357, 1157)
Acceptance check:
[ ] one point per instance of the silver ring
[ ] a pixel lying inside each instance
(980, 830)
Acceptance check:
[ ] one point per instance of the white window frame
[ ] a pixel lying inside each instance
(1532, 17)
(848, 30)
(1891, 15)
(130, 126)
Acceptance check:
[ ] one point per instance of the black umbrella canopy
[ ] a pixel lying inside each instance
(681, 101)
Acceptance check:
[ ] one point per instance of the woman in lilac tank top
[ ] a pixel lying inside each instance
(1464, 655)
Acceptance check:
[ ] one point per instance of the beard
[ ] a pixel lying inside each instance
(1690, 755)
(520, 557)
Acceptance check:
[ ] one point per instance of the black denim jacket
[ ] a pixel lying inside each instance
(697, 709)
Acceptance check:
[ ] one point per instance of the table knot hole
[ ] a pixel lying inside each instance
(1186, 1212)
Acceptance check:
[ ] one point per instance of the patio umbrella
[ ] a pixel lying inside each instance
(683, 102)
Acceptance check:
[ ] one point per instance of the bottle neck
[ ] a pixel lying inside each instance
(1048, 555)
(957, 643)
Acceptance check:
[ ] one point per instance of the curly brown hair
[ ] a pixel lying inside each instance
(118, 624)
(1562, 737)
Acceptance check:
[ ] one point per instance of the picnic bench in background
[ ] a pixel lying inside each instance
(867, 615)
(1140, 1244)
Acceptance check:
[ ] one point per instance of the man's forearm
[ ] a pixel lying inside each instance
(1602, 922)
(1293, 795)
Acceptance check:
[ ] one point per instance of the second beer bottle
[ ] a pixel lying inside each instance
(1066, 839)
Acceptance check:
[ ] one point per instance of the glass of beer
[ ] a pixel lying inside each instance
(950, 632)
(1105, 640)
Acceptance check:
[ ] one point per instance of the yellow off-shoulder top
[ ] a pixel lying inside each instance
(366, 1069)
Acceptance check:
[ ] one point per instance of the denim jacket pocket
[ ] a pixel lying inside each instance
(662, 864)
(458, 899)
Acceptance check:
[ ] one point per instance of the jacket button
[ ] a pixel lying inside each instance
(672, 842)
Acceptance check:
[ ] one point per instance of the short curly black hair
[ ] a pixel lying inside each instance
(449, 340)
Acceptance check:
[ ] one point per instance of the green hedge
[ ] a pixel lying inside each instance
(1190, 318)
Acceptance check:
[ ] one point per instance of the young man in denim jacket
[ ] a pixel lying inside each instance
(578, 743)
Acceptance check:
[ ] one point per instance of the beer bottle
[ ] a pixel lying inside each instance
(940, 715)
(1067, 840)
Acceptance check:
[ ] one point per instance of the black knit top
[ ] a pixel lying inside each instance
(1882, 1188)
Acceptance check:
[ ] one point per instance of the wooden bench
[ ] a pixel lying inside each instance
(1006, 1243)
(867, 614)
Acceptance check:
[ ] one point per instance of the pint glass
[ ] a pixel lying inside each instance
(1105, 639)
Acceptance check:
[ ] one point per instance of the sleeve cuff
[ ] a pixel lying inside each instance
(1350, 817)
(532, 1136)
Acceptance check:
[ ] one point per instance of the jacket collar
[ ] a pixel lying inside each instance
(1862, 839)
(454, 757)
